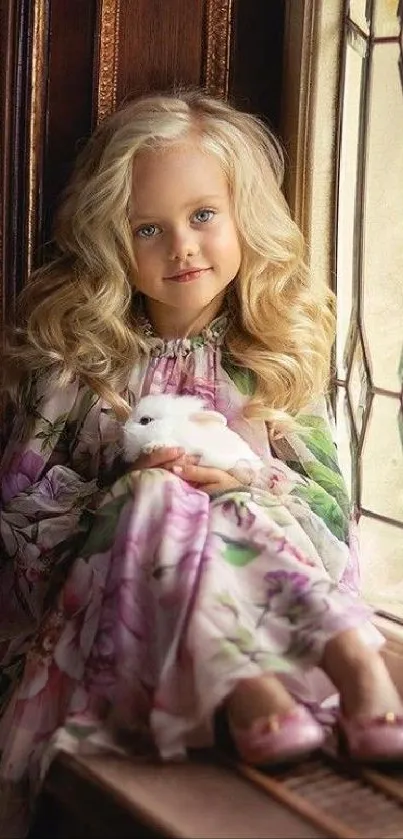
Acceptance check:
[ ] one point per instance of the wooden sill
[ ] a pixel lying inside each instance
(105, 797)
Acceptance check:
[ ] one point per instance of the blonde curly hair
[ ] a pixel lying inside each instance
(76, 312)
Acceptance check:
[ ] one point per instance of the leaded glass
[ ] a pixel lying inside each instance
(369, 286)
(359, 12)
(382, 298)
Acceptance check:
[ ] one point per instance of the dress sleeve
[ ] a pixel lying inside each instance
(45, 487)
(312, 453)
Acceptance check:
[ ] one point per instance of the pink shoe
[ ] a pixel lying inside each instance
(278, 738)
(372, 739)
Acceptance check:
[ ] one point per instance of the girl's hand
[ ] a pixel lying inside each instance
(163, 458)
(207, 478)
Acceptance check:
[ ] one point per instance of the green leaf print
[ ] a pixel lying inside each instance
(325, 506)
(103, 530)
(243, 379)
(239, 553)
(330, 481)
(51, 432)
(87, 402)
(243, 643)
(311, 421)
(228, 602)
(318, 440)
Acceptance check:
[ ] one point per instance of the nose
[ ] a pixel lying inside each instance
(183, 244)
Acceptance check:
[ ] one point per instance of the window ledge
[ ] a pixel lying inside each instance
(107, 796)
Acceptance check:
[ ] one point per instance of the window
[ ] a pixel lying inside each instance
(369, 287)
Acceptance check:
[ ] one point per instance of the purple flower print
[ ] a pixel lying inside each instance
(296, 597)
(286, 594)
(238, 513)
(24, 470)
(293, 581)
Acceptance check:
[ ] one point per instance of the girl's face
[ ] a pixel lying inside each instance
(185, 240)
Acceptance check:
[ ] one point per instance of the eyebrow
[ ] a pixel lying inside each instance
(198, 202)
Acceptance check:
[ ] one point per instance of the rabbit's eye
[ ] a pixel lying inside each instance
(145, 420)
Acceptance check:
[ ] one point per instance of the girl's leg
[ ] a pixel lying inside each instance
(358, 672)
(371, 719)
(361, 676)
(267, 725)
(258, 697)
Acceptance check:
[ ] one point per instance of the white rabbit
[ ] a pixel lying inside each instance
(170, 420)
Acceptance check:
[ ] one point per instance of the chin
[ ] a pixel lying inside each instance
(194, 298)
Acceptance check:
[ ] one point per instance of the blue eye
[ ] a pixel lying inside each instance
(148, 231)
(204, 215)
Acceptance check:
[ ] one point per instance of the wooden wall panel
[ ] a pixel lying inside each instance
(141, 50)
(69, 96)
(16, 35)
(158, 50)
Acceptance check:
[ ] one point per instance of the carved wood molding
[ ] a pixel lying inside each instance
(7, 25)
(218, 46)
(24, 42)
(108, 35)
(36, 128)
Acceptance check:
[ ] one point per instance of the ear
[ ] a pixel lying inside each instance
(209, 416)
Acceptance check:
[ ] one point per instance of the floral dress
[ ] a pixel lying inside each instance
(136, 602)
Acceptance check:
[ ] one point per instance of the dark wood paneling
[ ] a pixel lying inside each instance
(16, 45)
(7, 51)
(160, 45)
(256, 57)
(72, 35)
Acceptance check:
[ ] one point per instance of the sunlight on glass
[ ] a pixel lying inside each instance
(383, 229)
(347, 187)
(358, 387)
(386, 22)
(382, 576)
(382, 463)
(357, 11)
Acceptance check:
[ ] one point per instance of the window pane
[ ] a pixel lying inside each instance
(357, 12)
(383, 228)
(382, 462)
(358, 386)
(382, 564)
(350, 142)
(385, 20)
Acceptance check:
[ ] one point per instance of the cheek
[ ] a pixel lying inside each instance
(146, 265)
(231, 245)
(143, 258)
(225, 237)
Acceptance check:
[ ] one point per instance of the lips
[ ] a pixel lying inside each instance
(186, 275)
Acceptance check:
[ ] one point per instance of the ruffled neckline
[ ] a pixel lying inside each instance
(211, 335)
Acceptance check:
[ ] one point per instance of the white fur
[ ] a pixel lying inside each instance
(186, 422)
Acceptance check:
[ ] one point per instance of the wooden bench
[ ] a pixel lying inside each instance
(119, 797)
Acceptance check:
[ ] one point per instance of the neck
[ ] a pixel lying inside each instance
(169, 322)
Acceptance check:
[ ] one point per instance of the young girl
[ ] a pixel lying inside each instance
(150, 596)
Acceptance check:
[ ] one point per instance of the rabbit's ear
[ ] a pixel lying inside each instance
(208, 416)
